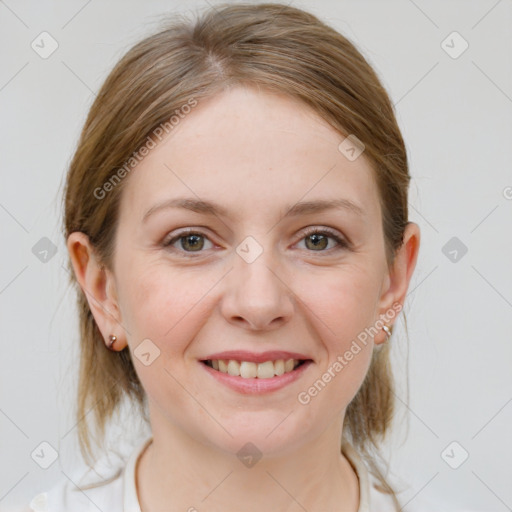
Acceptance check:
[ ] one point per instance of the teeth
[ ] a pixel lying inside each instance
(279, 367)
(233, 367)
(266, 370)
(289, 365)
(250, 370)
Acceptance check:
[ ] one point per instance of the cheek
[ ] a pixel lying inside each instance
(162, 305)
(343, 306)
(160, 302)
(343, 300)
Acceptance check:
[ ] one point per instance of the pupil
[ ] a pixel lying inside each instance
(317, 240)
(196, 241)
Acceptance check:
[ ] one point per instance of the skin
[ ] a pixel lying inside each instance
(256, 154)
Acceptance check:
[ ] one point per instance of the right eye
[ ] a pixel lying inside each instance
(190, 241)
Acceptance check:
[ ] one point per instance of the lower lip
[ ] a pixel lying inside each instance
(257, 386)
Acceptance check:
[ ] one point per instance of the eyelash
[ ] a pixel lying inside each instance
(342, 244)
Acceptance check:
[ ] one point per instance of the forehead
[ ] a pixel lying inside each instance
(246, 147)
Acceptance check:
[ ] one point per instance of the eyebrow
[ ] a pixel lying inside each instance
(212, 208)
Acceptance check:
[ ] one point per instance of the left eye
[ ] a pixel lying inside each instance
(319, 240)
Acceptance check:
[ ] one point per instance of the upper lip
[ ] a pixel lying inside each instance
(244, 355)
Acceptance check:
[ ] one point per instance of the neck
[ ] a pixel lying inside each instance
(176, 472)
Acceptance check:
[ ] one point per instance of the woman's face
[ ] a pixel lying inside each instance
(248, 168)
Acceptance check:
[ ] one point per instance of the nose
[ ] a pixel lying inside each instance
(257, 295)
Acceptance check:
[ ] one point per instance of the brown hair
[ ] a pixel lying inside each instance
(271, 46)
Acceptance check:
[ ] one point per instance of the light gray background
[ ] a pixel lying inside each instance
(455, 114)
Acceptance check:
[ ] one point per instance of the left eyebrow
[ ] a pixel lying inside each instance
(211, 208)
(306, 207)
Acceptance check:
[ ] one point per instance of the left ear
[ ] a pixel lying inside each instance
(398, 278)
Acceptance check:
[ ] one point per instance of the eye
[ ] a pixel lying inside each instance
(192, 241)
(189, 241)
(318, 240)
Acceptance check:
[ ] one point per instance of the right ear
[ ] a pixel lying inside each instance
(98, 285)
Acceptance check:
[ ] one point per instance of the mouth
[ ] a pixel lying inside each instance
(256, 378)
(252, 370)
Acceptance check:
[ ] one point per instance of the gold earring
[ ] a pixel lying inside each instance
(112, 340)
(388, 331)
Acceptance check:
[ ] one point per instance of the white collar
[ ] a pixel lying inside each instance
(130, 498)
(131, 501)
(362, 474)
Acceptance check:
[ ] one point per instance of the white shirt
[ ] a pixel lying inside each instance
(120, 494)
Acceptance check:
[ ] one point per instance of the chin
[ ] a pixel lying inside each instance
(268, 436)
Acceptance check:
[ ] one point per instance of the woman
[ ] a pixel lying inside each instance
(237, 224)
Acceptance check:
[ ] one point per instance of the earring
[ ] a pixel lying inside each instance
(388, 331)
(112, 340)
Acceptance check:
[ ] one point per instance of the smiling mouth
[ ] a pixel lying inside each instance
(250, 370)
